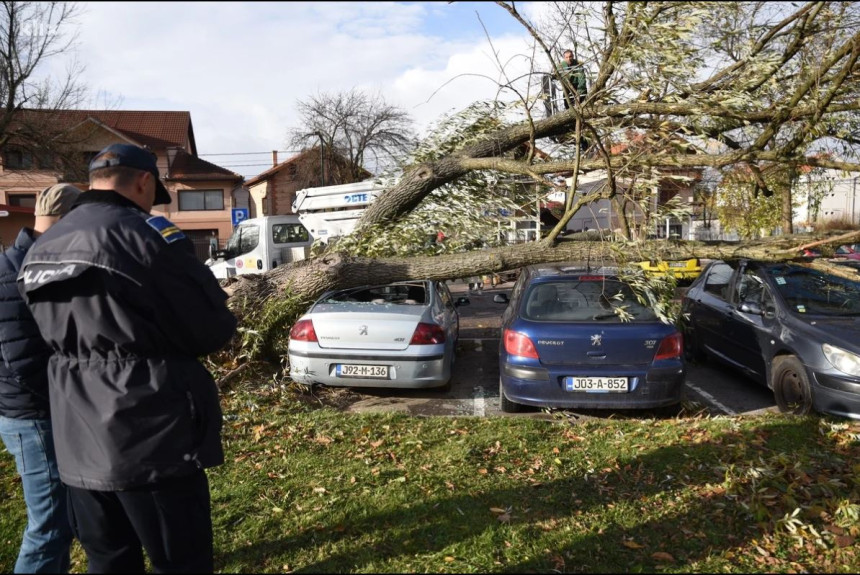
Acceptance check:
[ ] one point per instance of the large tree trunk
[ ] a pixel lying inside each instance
(310, 278)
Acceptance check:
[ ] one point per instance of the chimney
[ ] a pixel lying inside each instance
(274, 158)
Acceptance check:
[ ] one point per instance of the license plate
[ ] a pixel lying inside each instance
(678, 264)
(369, 371)
(596, 384)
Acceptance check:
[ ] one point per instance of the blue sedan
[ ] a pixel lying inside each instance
(575, 338)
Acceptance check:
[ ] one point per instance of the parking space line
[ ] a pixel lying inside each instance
(712, 399)
(480, 405)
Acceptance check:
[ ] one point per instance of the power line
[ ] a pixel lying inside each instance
(238, 165)
(249, 153)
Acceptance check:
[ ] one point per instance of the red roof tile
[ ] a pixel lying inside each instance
(187, 167)
(156, 129)
(314, 152)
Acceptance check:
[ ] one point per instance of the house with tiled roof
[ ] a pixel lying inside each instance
(203, 194)
(272, 192)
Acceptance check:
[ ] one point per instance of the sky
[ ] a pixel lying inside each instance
(240, 67)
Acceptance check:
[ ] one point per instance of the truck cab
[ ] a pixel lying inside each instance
(261, 244)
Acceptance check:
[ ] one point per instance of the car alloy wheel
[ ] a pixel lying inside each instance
(791, 387)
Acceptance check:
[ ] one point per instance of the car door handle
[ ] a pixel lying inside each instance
(596, 354)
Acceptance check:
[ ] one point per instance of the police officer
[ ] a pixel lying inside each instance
(128, 308)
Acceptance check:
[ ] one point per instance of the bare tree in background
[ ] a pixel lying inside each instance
(30, 34)
(363, 129)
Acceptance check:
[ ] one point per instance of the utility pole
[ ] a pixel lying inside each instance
(322, 160)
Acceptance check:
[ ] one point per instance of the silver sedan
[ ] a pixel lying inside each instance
(401, 334)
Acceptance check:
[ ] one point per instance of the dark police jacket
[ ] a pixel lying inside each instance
(127, 309)
(23, 371)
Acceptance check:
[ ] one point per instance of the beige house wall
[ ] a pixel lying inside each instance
(25, 182)
(219, 220)
(259, 205)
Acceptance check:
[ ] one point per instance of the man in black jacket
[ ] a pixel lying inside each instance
(25, 423)
(128, 309)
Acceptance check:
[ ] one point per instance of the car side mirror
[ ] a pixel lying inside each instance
(751, 307)
(462, 301)
(220, 254)
(501, 298)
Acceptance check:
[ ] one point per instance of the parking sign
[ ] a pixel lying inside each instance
(239, 214)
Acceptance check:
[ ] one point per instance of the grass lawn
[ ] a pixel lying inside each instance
(309, 489)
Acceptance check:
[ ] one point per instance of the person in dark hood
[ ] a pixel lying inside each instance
(25, 422)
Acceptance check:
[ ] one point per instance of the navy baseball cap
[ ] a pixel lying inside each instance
(131, 156)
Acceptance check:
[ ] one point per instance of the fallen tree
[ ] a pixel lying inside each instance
(785, 91)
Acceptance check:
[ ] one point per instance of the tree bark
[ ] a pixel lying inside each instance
(310, 278)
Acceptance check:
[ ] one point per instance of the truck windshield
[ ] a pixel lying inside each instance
(243, 240)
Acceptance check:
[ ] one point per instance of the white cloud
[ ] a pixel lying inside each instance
(239, 68)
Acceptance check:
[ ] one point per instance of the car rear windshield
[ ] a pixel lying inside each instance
(599, 299)
(812, 292)
(405, 293)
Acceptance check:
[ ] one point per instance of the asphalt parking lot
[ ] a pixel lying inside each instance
(711, 389)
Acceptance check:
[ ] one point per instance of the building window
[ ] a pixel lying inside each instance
(192, 200)
(18, 160)
(22, 200)
(292, 171)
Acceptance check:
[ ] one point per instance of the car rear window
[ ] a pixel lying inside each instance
(599, 299)
(812, 292)
(406, 293)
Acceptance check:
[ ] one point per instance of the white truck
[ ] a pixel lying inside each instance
(332, 211)
(258, 245)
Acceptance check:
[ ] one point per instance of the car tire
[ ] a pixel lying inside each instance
(506, 404)
(791, 387)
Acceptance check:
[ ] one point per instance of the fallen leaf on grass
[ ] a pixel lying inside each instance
(632, 545)
(319, 489)
(448, 559)
(498, 510)
(504, 518)
(844, 541)
(662, 556)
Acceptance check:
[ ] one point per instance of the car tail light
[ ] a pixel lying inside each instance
(519, 344)
(670, 348)
(303, 330)
(427, 334)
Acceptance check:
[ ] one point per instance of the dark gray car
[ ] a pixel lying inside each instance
(791, 327)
